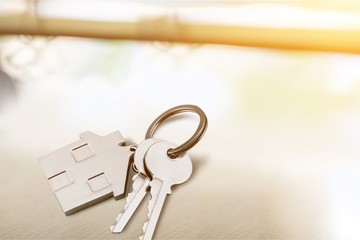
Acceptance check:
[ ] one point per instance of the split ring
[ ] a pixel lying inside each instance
(177, 151)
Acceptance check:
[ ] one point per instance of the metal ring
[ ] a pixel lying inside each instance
(175, 152)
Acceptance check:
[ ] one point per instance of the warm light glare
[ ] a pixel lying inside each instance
(272, 15)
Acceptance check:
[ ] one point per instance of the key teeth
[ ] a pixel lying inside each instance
(116, 220)
(149, 209)
(150, 206)
(127, 202)
(128, 199)
(119, 216)
(144, 227)
(131, 195)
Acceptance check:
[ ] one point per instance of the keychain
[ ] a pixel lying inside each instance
(94, 168)
(88, 171)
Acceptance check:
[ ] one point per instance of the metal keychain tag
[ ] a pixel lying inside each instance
(88, 171)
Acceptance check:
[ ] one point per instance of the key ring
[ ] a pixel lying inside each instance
(175, 152)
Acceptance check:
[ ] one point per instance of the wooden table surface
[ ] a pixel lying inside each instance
(240, 189)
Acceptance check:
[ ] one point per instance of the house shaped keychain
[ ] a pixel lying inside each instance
(88, 171)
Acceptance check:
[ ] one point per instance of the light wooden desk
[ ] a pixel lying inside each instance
(228, 197)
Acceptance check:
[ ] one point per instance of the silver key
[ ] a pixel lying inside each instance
(139, 186)
(166, 172)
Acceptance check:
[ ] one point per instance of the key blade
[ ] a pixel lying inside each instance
(155, 189)
(132, 201)
(159, 190)
(138, 182)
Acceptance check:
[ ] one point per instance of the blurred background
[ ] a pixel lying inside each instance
(279, 81)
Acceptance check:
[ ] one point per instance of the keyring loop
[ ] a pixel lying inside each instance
(175, 152)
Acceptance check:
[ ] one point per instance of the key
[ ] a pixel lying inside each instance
(139, 188)
(166, 172)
